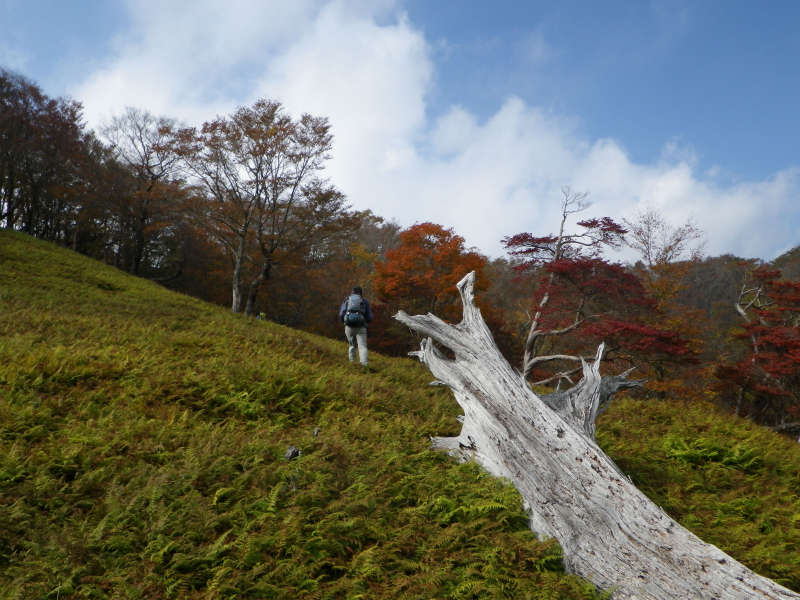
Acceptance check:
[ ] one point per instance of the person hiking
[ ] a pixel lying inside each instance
(355, 313)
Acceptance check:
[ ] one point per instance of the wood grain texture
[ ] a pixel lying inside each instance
(609, 531)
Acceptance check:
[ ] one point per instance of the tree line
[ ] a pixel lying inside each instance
(238, 211)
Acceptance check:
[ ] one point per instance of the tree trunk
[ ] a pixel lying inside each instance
(255, 286)
(236, 279)
(610, 532)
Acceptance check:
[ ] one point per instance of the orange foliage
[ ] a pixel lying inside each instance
(665, 282)
(419, 276)
(421, 273)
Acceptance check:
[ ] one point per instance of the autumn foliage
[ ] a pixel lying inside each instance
(421, 273)
(766, 380)
(44, 155)
(238, 211)
(581, 300)
(610, 305)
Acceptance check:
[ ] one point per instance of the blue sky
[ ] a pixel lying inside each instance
(721, 77)
(472, 114)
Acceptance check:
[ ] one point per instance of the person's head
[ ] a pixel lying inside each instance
(357, 290)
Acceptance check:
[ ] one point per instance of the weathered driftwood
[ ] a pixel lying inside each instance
(609, 531)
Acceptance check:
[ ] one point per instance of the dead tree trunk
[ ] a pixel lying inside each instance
(610, 532)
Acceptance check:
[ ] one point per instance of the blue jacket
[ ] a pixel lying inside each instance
(367, 310)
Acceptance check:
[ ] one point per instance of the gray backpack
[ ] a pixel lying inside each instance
(354, 313)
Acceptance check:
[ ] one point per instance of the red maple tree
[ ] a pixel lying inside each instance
(767, 379)
(578, 288)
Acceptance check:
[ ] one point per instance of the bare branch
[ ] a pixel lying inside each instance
(609, 531)
(541, 359)
(558, 376)
(659, 243)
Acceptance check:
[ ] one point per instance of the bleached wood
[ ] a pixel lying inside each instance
(609, 531)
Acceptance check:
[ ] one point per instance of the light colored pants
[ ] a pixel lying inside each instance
(356, 335)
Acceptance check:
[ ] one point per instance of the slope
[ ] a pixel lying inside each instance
(142, 455)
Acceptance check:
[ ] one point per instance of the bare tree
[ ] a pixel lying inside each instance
(610, 532)
(658, 242)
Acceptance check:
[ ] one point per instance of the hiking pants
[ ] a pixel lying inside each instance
(356, 335)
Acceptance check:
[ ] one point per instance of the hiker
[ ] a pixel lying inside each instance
(355, 313)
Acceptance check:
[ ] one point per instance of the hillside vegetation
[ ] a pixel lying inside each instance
(142, 455)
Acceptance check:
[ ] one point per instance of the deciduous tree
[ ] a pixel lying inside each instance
(578, 288)
(659, 243)
(668, 253)
(149, 213)
(768, 377)
(545, 257)
(411, 274)
(41, 149)
(259, 169)
(427, 255)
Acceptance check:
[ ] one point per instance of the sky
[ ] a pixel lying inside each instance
(472, 114)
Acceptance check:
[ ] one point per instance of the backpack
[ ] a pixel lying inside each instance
(354, 313)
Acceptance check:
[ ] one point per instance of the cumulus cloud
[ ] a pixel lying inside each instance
(370, 80)
(369, 69)
(453, 131)
(750, 219)
(191, 63)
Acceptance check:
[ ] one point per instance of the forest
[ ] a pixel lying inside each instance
(238, 211)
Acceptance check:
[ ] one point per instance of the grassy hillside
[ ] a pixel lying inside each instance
(142, 455)
(734, 484)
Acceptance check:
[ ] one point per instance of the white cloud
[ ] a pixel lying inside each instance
(369, 70)
(749, 219)
(370, 80)
(190, 61)
(453, 131)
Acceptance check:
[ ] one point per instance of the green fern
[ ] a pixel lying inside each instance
(147, 460)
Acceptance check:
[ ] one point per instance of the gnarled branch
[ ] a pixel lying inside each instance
(610, 532)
